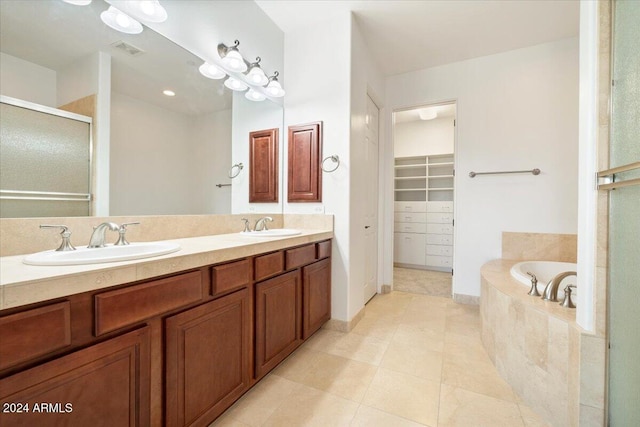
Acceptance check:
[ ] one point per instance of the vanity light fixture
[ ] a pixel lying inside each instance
(211, 71)
(253, 95)
(143, 10)
(231, 57)
(274, 88)
(235, 84)
(120, 21)
(255, 75)
(169, 92)
(428, 114)
(78, 2)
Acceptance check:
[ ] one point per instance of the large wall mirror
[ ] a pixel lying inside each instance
(153, 154)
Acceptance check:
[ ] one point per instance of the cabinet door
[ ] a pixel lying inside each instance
(263, 166)
(207, 359)
(316, 291)
(103, 385)
(278, 320)
(305, 177)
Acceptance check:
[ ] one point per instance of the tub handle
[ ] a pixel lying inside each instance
(534, 285)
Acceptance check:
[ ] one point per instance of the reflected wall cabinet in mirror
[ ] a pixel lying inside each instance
(305, 148)
(263, 166)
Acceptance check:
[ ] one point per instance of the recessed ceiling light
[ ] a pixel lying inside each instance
(428, 114)
(169, 92)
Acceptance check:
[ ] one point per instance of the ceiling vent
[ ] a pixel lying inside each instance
(129, 49)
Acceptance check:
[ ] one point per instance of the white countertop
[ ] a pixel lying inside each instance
(22, 284)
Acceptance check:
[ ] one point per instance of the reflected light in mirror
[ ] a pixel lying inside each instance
(120, 21)
(169, 92)
(235, 84)
(211, 71)
(144, 10)
(252, 95)
(78, 2)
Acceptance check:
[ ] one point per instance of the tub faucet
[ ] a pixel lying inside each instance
(98, 235)
(551, 291)
(261, 224)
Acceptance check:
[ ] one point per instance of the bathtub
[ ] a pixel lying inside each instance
(545, 271)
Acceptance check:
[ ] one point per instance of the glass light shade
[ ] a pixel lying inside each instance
(253, 95)
(274, 89)
(144, 10)
(120, 21)
(235, 84)
(211, 71)
(78, 2)
(256, 76)
(169, 92)
(428, 114)
(234, 61)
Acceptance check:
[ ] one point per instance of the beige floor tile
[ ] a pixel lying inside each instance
(226, 421)
(382, 328)
(530, 418)
(477, 376)
(296, 366)
(422, 281)
(408, 334)
(343, 377)
(371, 417)
(404, 395)
(368, 349)
(259, 403)
(462, 408)
(414, 358)
(309, 407)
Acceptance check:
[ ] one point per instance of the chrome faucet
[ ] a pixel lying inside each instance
(261, 224)
(98, 235)
(551, 290)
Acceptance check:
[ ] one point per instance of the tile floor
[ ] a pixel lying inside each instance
(427, 282)
(413, 360)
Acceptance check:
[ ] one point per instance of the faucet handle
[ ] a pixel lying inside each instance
(122, 240)
(566, 302)
(247, 228)
(65, 234)
(534, 285)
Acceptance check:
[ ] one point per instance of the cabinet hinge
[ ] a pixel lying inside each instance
(454, 122)
(453, 222)
(452, 271)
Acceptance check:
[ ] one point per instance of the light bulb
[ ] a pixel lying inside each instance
(253, 95)
(235, 84)
(257, 77)
(120, 22)
(234, 61)
(274, 89)
(211, 71)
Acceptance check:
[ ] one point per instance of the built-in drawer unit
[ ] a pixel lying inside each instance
(410, 217)
(323, 249)
(439, 229)
(410, 206)
(439, 239)
(297, 257)
(127, 306)
(409, 248)
(440, 250)
(410, 227)
(32, 333)
(439, 217)
(439, 261)
(230, 276)
(440, 207)
(268, 265)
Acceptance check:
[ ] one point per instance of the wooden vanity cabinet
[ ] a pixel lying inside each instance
(208, 363)
(316, 282)
(106, 384)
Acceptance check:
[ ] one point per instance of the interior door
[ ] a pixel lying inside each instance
(624, 225)
(371, 209)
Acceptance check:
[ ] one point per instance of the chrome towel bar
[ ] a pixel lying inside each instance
(532, 171)
(44, 195)
(607, 178)
(223, 185)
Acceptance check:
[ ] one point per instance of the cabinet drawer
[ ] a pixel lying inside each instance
(123, 307)
(410, 227)
(439, 239)
(440, 228)
(439, 218)
(410, 217)
(268, 265)
(324, 249)
(409, 248)
(410, 206)
(33, 333)
(442, 250)
(300, 256)
(439, 206)
(439, 261)
(230, 276)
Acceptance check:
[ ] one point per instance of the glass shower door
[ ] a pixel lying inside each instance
(624, 219)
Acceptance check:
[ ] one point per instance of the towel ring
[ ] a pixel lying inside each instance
(335, 159)
(239, 166)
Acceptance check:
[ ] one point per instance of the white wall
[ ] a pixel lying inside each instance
(423, 137)
(27, 81)
(516, 110)
(79, 79)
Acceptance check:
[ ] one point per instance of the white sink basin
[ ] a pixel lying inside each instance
(110, 253)
(276, 232)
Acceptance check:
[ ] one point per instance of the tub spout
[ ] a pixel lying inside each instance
(551, 291)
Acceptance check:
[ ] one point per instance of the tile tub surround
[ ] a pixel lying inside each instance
(534, 344)
(540, 246)
(22, 284)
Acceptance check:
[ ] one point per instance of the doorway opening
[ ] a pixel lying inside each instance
(424, 167)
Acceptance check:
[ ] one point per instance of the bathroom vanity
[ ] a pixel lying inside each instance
(174, 348)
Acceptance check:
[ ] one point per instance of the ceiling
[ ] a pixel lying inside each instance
(434, 111)
(409, 35)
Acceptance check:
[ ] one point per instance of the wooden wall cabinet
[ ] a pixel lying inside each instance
(263, 166)
(305, 174)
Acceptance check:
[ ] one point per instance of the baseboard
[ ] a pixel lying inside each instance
(466, 299)
(344, 325)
